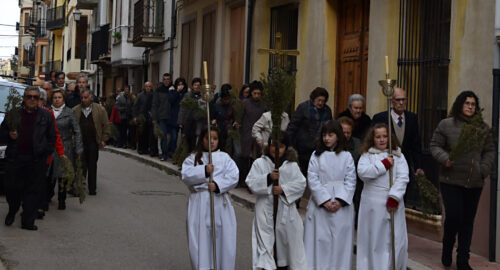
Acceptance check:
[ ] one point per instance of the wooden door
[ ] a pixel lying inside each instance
(352, 47)
(237, 49)
(187, 50)
(208, 44)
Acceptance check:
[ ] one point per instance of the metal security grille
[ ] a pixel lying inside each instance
(423, 62)
(284, 19)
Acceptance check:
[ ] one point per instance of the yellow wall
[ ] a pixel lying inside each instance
(57, 48)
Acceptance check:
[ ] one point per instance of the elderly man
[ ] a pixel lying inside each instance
(142, 107)
(47, 86)
(30, 139)
(94, 126)
(362, 122)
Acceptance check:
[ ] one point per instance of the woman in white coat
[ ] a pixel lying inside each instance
(378, 199)
(289, 227)
(195, 173)
(329, 224)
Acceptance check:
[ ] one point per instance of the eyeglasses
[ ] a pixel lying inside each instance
(35, 97)
(399, 99)
(470, 104)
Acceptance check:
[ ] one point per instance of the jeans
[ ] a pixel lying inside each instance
(164, 139)
(172, 141)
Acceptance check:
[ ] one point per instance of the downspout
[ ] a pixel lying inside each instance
(494, 171)
(251, 4)
(173, 29)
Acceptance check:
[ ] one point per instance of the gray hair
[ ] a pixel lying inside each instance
(82, 75)
(32, 88)
(355, 97)
(43, 94)
(85, 91)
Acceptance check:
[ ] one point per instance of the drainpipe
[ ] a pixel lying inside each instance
(250, 7)
(494, 171)
(173, 29)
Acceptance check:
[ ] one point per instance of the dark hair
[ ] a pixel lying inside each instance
(243, 90)
(126, 86)
(178, 81)
(284, 139)
(331, 126)
(225, 90)
(167, 74)
(319, 92)
(346, 120)
(200, 147)
(58, 91)
(256, 85)
(195, 80)
(456, 109)
(370, 137)
(60, 73)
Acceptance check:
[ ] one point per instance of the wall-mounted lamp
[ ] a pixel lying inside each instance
(77, 14)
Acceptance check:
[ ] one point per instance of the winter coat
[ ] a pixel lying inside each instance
(361, 125)
(44, 135)
(68, 128)
(160, 109)
(252, 111)
(305, 125)
(101, 122)
(262, 129)
(124, 106)
(468, 170)
(175, 98)
(142, 105)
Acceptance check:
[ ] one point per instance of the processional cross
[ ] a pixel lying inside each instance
(280, 53)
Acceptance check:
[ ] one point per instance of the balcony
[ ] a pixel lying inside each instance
(101, 46)
(148, 23)
(53, 66)
(40, 29)
(56, 17)
(86, 4)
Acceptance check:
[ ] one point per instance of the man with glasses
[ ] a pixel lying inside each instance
(405, 127)
(30, 137)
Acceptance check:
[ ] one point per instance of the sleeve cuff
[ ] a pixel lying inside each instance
(342, 202)
(217, 190)
(206, 173)
(392, 203)
(386, 163)
(269, 180)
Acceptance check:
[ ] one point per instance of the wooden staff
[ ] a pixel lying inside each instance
(208, 89)
(276, 197)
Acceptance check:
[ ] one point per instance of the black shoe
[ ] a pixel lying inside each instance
(463, 264)
(40, 215)
(29, 227)
(446, 255)
(61, 206)
(93, 193)
(9, 219)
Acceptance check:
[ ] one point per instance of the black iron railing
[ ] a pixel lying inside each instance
(101, 45)
(148, 19)
(56, 17)
(423, 62)
(40, 29)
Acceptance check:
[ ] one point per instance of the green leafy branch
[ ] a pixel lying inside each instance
(471, 136)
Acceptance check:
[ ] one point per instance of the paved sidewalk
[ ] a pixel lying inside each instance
(424, 254)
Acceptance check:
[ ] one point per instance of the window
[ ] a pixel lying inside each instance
(81, 38)
(284, 20)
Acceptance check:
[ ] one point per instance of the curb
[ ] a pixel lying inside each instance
(241, 197)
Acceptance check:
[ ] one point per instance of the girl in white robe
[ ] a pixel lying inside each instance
(329, 223)
(378, 199)
(289, 227)
(195, 173)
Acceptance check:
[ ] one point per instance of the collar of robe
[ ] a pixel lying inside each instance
(280, 162)
(374, 150)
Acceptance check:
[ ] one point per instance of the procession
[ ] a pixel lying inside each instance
(256, 134)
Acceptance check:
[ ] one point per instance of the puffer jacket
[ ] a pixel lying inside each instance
(468, 170)
(160, 110)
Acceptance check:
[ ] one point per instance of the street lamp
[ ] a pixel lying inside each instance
(77, 14)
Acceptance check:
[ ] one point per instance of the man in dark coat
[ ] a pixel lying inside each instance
(175, 95)
(362, 122)
(124, 106)
(305, 125)
(142, 106)
(405, 127)
(192, 120)
(28, 146)
(160, 111)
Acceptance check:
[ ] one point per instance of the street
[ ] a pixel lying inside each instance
(136, 221)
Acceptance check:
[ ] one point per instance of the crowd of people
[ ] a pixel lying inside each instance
(344, 160)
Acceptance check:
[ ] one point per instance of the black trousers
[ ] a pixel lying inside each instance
(89, 164)
(23, 186)
(148, 144)
(460, 206)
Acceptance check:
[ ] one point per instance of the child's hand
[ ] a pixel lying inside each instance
(390, 158)
(212, 187)
(209, 168)
(277, 190)
(336, 205)
(275, 175)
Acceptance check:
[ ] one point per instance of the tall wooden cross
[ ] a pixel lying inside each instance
(278, 51)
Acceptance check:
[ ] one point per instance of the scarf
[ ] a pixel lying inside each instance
(374, 150)
(86, 111)
(58, 111)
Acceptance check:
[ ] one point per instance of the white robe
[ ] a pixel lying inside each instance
(328, 237)
(225, 175)
(374, 227)
(289, 227)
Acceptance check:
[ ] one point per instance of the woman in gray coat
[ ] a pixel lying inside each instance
(462, 177)
(70, 132)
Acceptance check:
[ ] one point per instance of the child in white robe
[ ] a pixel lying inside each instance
(289, 227)
(329, 223)
(195, 174)
(378, 199)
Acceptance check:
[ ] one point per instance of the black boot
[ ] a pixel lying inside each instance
(61, 196)
(463, 263)
(62, 205)
(447, 255)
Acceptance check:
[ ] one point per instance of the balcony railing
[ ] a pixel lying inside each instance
(40, 29)
(148, 23)
(101, 45)
(53, 66)
(31, 54)
(86, 4)
(56, 17)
